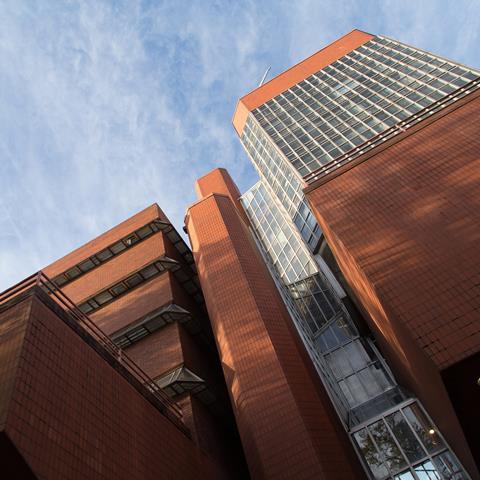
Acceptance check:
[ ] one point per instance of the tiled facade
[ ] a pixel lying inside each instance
(356, 180)
(162, 316)
(288, 430)
(71, 415)
(324, 325)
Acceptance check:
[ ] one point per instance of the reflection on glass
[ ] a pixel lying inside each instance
(394, 459)
(357, 390)
(346, 392)
(404, 476)
(449, 467)
(328, 339)
(371, 454)
(426, 471)
(405, 437)
(346, 103)
(369, 382)
(343, 330)
(356, 354)
(424, 428)
(381, 376)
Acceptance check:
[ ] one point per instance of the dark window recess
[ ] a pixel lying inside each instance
(118, 247)
(134, 280)
(183, 380)
(73, 272)
(86, 265)
(104, 255)
(109, 294)
(123, 244)
(151, 322)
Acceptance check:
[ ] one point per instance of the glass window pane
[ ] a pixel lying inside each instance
(405, 437)
(144, 231)
(449, 467)
(426, 471)
(86, 265)
(103, 297)
(357, 390)
(339, 363)
(380, 375)
(329, 338)
(73, 272)
(339, 328)
(104, 255)
(369, 382)
(118, 247)
(356, 354)
(346, 392)
(131, 240)
(60, 280)
(423, 427)
(85, 307)
(394, 459)
(149, 271)
(405, 476)
(133, 280)
(371, 454)
(118, 289)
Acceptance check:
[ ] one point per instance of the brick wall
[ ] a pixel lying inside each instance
(168, 347)
(117, 268)
(104, 240)
(287, 430)
(135, 304)
(12, 332)
(404, 227)
(159, 352)
(71, 415)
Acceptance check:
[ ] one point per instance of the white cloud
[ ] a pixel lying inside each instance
(110, 106)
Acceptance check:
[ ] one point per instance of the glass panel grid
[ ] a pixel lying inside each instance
(281, 178)
(392, 448)
(353, 372)
(287, 252)
(313, 123)
(329, 331)
(350, 101)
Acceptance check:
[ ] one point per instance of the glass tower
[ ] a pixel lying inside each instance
(335, 114)
(375, 91)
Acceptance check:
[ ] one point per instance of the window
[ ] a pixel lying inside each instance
(391, 446)
(118, 247)
(106, 296)
(86, 265)
(73, 272)
(104, 255)
(325, 97)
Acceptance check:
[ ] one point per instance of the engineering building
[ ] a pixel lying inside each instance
(367, 213)
(324, 325)
(109, 369)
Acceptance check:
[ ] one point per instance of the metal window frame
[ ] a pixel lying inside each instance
(410, 465)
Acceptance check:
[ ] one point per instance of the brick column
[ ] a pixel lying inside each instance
(288, 428)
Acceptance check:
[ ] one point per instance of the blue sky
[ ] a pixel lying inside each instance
(108, 107)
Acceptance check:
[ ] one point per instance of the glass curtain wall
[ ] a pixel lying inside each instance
(333, 111)
(392, 433)
(355, 98)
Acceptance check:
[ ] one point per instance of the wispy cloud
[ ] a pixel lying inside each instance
(110, 106)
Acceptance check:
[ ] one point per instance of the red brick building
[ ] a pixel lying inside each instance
(325, 324)
(76, 405)
(413, 261)
(287, 425)
(369, 150)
